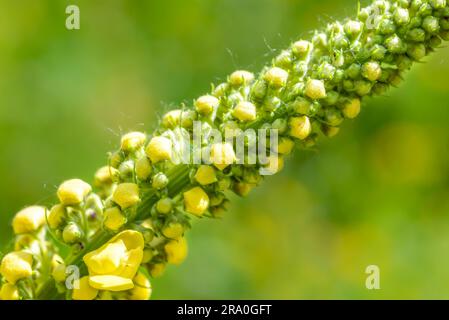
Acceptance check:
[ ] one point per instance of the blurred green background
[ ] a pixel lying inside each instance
(376, 194)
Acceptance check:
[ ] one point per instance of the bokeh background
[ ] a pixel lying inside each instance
(376, 194)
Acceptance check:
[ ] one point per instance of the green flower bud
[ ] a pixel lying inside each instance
(353, 71)
(394, 44)
(353, 28)
(126, 169)
(387, 27)
(216, 199)
(417, 35)
(435, 42)
(272, 103)
(329, 131)
(351, 109)
(164, 205)
(172, 119)
(71, 233)
(276, 77)
(380, 89)
(187, 118)
(371, 71)
(319, 40)
(280, 124)
(431, 24)
(438, 4)
(445, 35)
(331, 98)
(220, 90)
(333, 117)
(444, 23)
(284, 60)
(301, 106)
(326, 71)
(404, 63)
(401, 16)
(259, 90)
(378, 52)
(116, 158)
(416, 51)
(362, 87)
(301, 48)
(160, 181)
(240, 78)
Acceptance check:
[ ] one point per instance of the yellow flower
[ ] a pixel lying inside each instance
(315, 89)
(83, 291)
(173, 230)
(132, 141)
(113, 265)
(29, 219)
(143, 168)
(159, 149)
(72, 192)
(126, 195)
(176, 250)
(205, 175)
(196, 201)
(352, 108)
(300, 127)
(16, 265)
(142, 288)
(206, 104)
(241, 77)
(105, 176)
(114, 219)
(245, 111)
(56, 216)
(276, 77)
(172, 119)
(222, 155)
(9, 292)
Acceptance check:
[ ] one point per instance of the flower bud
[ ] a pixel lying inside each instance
(9, 292)
(172, 119)
(72, 192)
(27, 241)
(353, 28)
(126, 195)
(29, 219)
(326, 71)
(416, 51)
(394, 44)
(329, 131)
(431, 24)
(221, 90)
(333, 117)
(285, 146)
(143, 168)
(245, 111)
(206, 104)
(275, 164)
(417, 35)
(126, 169)
(242, 188)
(223, 184)
(271, 103)
(401, 16)
(114, 219)
(300, 127)
(164, 205)
(142, 288)
(159, 149)
(240, 78)
(16, 265)
(196, 201)
(222, 155)
(147, 255)
(71, 233)
(160, 181)
(187, 118)
(371, 71)
(301, 48)
(315, 89)
(378, 52)
(173, 230)
(283, 60)
(132, 141)
(176, 251)
(58, 268)
(156, 270)
(362, 87)
(105, 176)
(116, 158)
(438, 4)
(56, 216)
(205, 175)
(351, 109)
(276, 77)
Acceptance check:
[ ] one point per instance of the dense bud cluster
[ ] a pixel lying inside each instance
(133, 224)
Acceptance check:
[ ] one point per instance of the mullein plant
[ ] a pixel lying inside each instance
(125, 228)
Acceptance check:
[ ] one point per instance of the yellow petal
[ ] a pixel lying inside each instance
(72, 192)
(84, 290)
(159, 149)
(205, 175)
(111, 283)
(29, 219)
(16, 265)
(114, 219)
(126, 195)
(108, 260)
(176, 251)
(135, 257)
(9, 292)
(142, 288)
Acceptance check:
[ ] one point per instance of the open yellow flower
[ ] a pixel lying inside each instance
(29, 219)
(16, 265)
(113, 266)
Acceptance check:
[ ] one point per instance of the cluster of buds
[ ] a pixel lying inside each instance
(134, 223)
